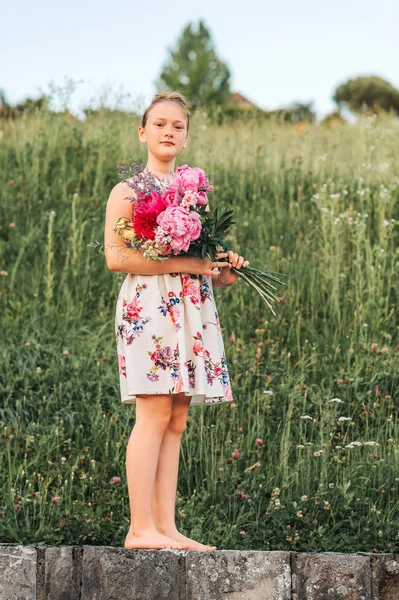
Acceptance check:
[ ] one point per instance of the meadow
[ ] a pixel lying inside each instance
(307, 456)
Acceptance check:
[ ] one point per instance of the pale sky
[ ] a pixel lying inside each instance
(278, 52)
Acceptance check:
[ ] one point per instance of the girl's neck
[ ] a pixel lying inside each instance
(162, 170)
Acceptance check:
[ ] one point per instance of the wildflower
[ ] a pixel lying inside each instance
(259, 442)
(116, 480)
(351, 350)
(27, 344)
(55, 499)
(88, 521)
(66, 352)
(221, 469)
(235, 453)
(17, 506)
(299, 514)
(232, 338)
(304, 498)
(374, 346)
(244, 496)
(384, 350)
(38, 370)
(12, 224)
(340, 381)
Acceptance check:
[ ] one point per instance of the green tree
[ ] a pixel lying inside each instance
(195, 70)
(367, 93)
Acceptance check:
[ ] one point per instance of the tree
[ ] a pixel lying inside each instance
(194, 69)
(367, 93)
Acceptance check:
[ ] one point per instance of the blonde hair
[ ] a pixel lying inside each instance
(174, 96)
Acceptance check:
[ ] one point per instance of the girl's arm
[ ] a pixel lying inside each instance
(120, 257)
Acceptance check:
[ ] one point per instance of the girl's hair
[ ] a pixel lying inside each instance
(176, 97)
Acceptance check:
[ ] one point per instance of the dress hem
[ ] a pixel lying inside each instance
(212, 399)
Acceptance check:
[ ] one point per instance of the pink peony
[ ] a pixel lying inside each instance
(202, 199)
(183, 225)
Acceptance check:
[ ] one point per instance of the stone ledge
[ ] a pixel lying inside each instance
(108, 573)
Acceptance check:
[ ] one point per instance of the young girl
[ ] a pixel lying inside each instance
(169, 343)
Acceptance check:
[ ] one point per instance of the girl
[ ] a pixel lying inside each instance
(169, 343)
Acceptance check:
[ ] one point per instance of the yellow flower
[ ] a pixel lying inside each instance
(129, 234)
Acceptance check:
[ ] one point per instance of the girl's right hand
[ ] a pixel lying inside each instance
(204, 266)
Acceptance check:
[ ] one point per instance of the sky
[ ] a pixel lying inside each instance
(278, 53)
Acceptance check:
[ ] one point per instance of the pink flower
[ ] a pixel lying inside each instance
(218, 371)
(340, 381)
(17, 506)
(179, 384)
(146, 212)
(259, 442)
(202, 199)
(66, 352)
(235, 453)
(374, 346)
(377, 390)
(185, 178)
(351, 350)
(384, 350)
(184, 226)
(116, 480)
(55, 499)
(244, 496)
(12, 224)
(122, 364)
(88, 521)
(232, 338)
(169, 198)
(197, 347)
(133, 309)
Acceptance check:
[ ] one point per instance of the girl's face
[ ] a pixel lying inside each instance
(165, 132)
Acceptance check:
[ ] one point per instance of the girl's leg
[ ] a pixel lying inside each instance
(152, 417)
(164, 497)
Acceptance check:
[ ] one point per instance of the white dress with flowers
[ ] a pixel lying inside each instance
(169, 340)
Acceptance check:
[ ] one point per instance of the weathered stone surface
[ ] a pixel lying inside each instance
(385, 577)
(238, 575)
(331, 576)
(62, 574)
(17, 572)
(123, 574)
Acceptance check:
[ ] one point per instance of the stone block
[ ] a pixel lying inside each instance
(385, 577)
(237, 575)
(17, 572)
(62, 573)
(110, 573)
(331, 576)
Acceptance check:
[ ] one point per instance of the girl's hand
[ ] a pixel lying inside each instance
(201, 266)
(226, 276)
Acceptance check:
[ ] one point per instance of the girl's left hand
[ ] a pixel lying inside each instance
(226, 276)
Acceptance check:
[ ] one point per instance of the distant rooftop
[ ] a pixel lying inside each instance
(241, 101)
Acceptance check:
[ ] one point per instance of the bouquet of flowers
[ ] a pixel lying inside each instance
(175, 219)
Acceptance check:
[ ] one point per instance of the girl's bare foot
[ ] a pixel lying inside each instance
(151, 538)
(179, 537)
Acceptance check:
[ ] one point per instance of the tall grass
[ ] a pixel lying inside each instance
(307, 456)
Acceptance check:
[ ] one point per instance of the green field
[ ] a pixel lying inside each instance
(318, 383)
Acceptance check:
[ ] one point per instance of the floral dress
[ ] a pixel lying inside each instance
(169, 340)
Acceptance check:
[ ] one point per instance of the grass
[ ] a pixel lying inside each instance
(306, 459)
